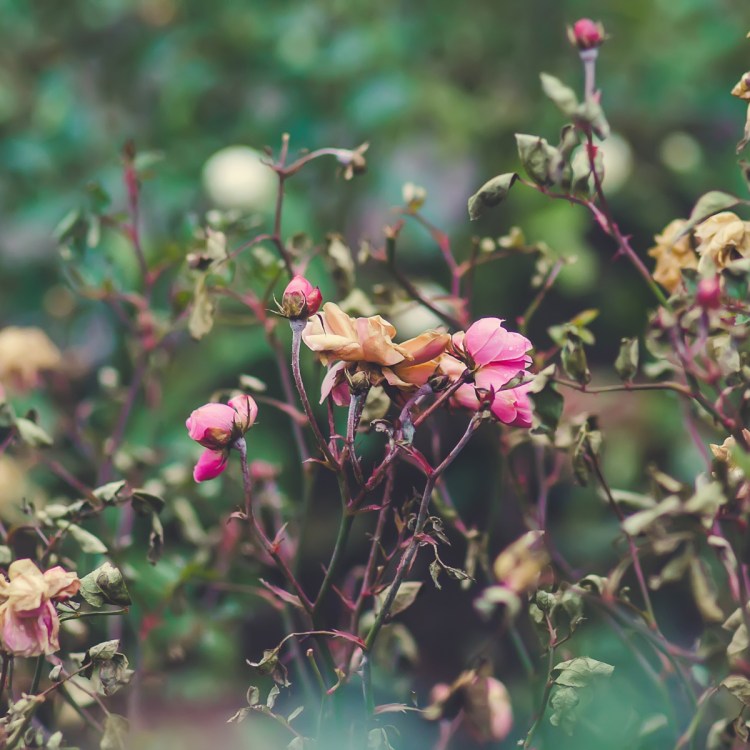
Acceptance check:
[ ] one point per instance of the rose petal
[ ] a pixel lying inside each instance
(210, 465)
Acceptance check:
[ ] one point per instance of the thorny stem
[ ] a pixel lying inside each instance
(523, 321)
(118, 434)
(633, 549)
(297, 328)
(368, 576)
(259, 534)
(282, 175)
(547, 686)
(614, 230)
(408, 557)
(405, 282)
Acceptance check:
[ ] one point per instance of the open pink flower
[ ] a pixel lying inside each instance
(29, 624)
(217, 427)
(495, 356)
(301, 299)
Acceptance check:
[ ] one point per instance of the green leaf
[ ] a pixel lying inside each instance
(377, 739)
(146, 502)
(643, 519)
(155, 540)
(201, 319)
(707, 205)
(115, 733)
(580, 672)
(105, 585)
(573, 358)
(407, 594)
(491, 194)
(542, 162)
(86, 540)
(738, 686)
(108, 493)
(103, 651)
(626, 364)
(591, 115)
(32, 434)
(114, 674)
(564, 702)
(704, 592)
(547, 401)
(563, 96)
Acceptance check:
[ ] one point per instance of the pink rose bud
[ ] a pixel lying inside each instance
(586, 34)
(301, 299)
(708, 295)
(217, 427)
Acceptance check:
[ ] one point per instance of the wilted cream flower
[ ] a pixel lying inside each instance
(24, 354)
(672, 255)
(742, 88)
(723, 452)
(722, 238)
(334, 335)
(519, 566)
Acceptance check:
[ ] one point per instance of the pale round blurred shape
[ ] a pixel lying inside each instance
(680, 152)
(618, 162)
(235, 177)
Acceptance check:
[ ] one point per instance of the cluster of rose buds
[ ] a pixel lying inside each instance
(217, 427)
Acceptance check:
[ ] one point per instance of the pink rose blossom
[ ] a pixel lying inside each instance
(29, 624)
(217, 427)
(301, 299)
(495, 356)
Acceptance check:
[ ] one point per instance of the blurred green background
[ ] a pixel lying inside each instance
(438, 89)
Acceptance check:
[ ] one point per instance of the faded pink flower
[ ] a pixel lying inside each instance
(494, 356)
(29, 624)
(301, 299)
(217, 427)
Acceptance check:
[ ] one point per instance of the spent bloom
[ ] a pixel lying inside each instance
(24, 354)
(334, 335)
(484, 701)
(217, 427)
(672, 253)
(586, 34)
(367, 353)
(494, 356)
(301, 299)
(722, 238)
(29, 624)
(742, 88)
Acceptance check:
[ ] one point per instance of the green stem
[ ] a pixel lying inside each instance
(37, 675)
(342, 536)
